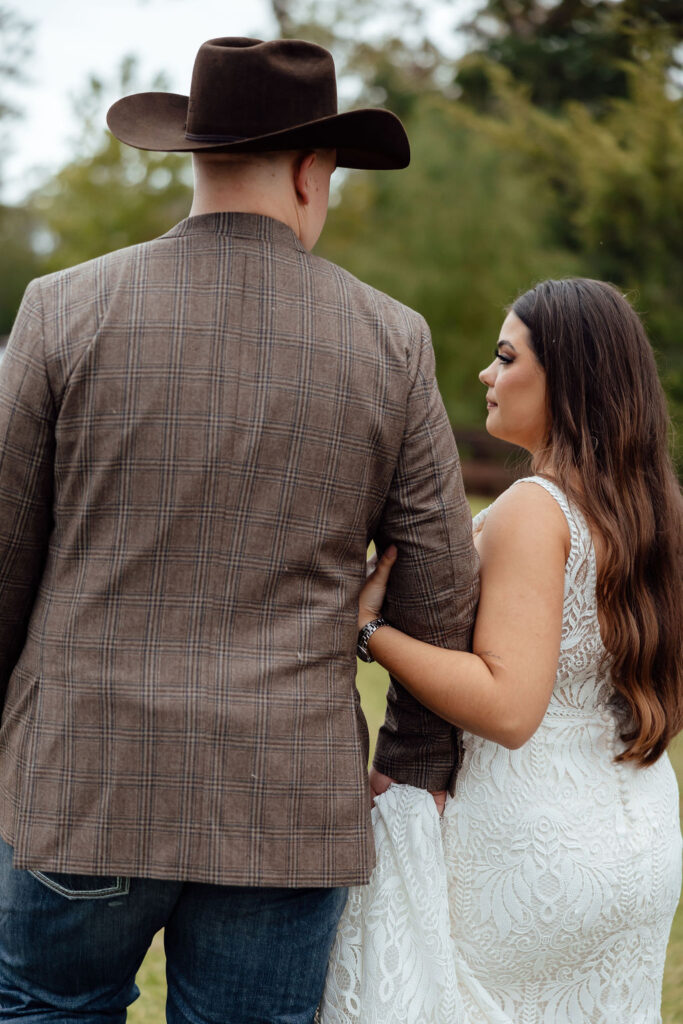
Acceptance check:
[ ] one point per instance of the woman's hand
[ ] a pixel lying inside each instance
(372, 595)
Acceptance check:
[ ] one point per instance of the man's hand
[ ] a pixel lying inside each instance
(439, 799)
(380, 783)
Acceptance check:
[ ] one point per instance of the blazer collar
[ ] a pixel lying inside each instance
(238, 225)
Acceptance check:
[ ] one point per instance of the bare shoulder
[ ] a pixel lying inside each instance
(525, 517)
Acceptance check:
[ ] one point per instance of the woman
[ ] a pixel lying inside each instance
(546, 892)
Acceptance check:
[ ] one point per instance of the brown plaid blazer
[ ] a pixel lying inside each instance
(198, 438)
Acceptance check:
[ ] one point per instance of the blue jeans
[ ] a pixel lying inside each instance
(71, 945)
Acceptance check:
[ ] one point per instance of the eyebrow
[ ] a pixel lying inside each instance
(504, 342)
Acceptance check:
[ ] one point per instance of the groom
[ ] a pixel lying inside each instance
(198, 437)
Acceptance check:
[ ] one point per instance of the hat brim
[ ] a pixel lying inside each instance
(368, 139)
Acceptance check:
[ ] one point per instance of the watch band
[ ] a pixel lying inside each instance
(364, 635)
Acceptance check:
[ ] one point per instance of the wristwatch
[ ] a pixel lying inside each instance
(364, 635)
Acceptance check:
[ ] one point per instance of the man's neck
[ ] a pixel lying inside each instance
(244, 201)
(290, 187)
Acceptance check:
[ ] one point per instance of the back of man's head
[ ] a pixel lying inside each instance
(289, 185)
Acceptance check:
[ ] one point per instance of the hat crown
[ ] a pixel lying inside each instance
(242, 87)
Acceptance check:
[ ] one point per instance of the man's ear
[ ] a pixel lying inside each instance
(301, 176)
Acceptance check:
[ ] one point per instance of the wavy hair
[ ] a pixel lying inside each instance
(608, 448)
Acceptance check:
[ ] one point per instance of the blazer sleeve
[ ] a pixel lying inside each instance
(27, 415)
(434, 585)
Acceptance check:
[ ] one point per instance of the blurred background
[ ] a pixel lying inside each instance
(547, 140)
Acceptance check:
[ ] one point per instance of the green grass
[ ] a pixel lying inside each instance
(372, 685)
(477, 503)
(150, 1007)
(672, 1000)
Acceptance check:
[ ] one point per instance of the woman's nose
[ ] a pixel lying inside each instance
(486, 375)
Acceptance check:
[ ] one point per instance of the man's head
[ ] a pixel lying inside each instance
(261, 121)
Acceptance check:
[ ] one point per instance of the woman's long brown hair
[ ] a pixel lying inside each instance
(608, 449)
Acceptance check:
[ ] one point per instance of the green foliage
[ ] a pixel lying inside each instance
(18, 261)
(567, 49)
(616, 181)
(14, 50)
(114, 198)
(386, 52)
(456, 236)
(16, 256)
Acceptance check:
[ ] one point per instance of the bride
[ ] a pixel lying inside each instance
(545, 893)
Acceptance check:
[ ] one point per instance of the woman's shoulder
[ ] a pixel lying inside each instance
(532, 507)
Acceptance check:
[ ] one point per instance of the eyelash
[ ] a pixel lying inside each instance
(503, 359)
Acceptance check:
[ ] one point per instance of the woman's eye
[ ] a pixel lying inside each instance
(503, 359)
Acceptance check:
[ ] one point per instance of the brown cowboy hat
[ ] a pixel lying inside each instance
(248, 96)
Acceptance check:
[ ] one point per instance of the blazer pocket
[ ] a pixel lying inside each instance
(83, 887)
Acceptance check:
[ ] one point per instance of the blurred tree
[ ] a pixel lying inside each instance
(17, 262)
(110, 195)
(15, 47)
(617, 183)
(385, 53)
(567, 49)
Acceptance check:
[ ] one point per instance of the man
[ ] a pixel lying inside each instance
(198, 437)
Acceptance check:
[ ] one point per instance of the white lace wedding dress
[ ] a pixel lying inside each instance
(545, 895)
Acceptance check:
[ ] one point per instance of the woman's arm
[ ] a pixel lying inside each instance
(501, 691)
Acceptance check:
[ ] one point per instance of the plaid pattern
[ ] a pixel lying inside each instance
(198, 436)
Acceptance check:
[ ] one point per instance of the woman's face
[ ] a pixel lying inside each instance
(516, 398)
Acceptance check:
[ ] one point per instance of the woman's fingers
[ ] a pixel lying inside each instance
(385, 563)
(372, 594)
(377, 584)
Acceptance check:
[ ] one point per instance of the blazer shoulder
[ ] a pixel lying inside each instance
(367, 299)
(91, 270)
(74, 302)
